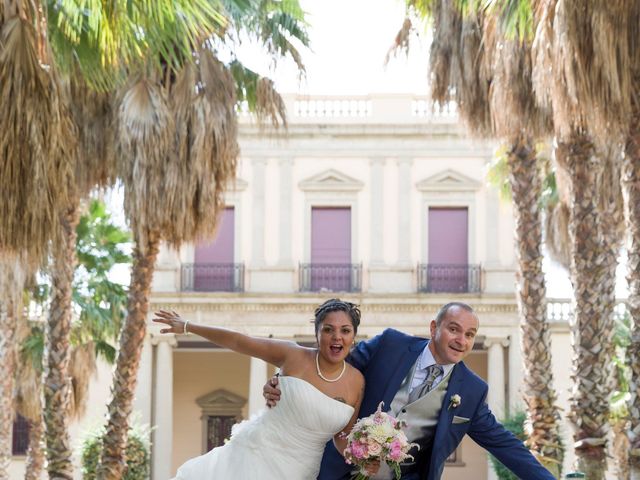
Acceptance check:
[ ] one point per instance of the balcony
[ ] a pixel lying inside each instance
(330, 277)
(448, 278)
(212, 277)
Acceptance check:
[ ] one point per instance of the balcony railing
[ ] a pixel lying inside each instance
(330, 277)
(449, 278)
(212, 277)
(560, 310)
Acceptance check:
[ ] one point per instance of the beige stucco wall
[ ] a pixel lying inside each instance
(195, 374)
(99, 391)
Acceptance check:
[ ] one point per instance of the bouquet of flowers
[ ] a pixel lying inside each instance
(377, 437)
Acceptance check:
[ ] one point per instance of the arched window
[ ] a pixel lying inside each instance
(221, 410)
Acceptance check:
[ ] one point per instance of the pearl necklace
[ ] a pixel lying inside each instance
(344, 367)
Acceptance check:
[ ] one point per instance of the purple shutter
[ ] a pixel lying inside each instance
(331, 249)
(214, 268)
(448, 250)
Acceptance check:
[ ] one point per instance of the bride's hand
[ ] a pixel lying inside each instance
(171, 319)
(271, 392)
(372, 467)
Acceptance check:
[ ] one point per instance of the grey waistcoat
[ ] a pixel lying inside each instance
(421, 416)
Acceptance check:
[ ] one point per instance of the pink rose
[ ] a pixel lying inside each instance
(375, 449)
(359, 450)
(395, 451)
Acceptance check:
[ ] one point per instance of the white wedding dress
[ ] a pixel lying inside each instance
(285, 442)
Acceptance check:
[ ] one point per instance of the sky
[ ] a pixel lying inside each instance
(349, 41)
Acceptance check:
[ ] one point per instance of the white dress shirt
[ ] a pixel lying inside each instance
(426, 360)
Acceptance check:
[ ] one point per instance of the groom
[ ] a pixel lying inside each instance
(427, 384)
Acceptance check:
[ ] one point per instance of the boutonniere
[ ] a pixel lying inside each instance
(455, 401)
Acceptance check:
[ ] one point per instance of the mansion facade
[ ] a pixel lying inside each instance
(375, 200)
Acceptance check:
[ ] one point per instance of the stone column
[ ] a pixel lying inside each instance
(514, 399)
(163, 408)
(258, 199)
(496, 379)
(257, 378)
(285, 258)
(404, 211)
(144, 386)
(377, 211)
(496, 376)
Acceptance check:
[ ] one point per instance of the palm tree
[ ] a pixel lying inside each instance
(100, 304)
(99, 57)
(578, 76)
(489, 76)
(94, 164)
(37, 145)
(631, 192)
(602, 85)
(177, 134)
(99, 45)
(94, 168)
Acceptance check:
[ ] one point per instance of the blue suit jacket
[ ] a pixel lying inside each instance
(385, 361)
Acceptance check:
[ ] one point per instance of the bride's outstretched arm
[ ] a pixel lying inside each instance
(270, 350)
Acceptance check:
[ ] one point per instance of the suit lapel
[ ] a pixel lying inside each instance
(404, 365)
(446, 413)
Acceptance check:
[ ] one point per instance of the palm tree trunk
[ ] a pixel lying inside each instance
(631, 192)
(35, 453)
(593, 278)
(11, 284)
(112, 461)
(57, 382)
(539, 395)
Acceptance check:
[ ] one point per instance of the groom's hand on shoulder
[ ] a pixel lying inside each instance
(271, 392)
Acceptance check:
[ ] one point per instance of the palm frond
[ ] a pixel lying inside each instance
(585, 61)
(37, 141)
(106, 41)
(30, 338)
(95, 123)
(401, 41)
(146, 133)
(82, 366)
(516, 17)
(258, 94)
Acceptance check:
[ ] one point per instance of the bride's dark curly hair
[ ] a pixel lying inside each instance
(337, 305)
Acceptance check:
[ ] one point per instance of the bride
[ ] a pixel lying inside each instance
(321, 395)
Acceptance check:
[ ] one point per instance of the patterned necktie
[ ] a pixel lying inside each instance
(433, 372)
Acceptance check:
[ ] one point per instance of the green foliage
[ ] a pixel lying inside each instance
(515, 424)
(138, 453)
(516, 17)
(498, 173)
(497, 176)
(621, 342)
(32, 348)
(99, 303)
(106, 41)
(276, 26)
(549, 195)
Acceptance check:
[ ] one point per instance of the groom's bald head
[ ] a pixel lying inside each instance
(452, 307)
